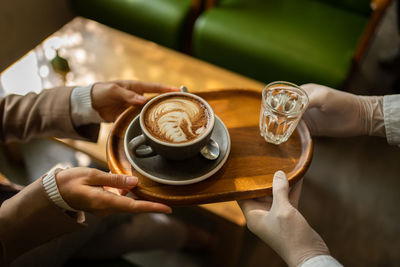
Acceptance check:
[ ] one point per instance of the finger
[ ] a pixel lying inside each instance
(252, 210)
(265, 199)
(157, 88)
(295, 192)
(132, 195)
(117, 191)
(148, 206)
(112, 180)
(112, 190)
(147, 87)
(252, 204)
(245, 206)
(117, 203)
(315, 94)
(280, 189)
(123, 192)
(131, 97)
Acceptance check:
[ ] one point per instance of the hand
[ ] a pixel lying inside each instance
(339, 114)
(109, 99)
(83, 189)
(279, 224)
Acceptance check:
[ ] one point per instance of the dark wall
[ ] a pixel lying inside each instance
(25, 23)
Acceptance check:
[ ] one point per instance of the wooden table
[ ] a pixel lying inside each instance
(98, 53)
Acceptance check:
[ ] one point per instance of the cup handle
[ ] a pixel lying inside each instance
(141, 153)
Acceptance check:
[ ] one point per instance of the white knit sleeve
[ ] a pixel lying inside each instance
(391, 110)
(51, 188)
(322, 261)
(82, 111)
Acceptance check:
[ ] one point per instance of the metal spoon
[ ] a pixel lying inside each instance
(184, 89)
(211, 149)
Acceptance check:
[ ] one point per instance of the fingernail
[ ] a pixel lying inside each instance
(141, 98)
(279, 175)
(131, 180)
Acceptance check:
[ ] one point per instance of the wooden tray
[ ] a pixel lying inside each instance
(249, 169)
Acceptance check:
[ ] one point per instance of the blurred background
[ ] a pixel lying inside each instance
(351, 191)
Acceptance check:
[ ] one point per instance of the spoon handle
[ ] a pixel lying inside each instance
(184, 89)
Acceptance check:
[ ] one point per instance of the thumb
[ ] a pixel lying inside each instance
(280, 189)
(315, 94)
(113, 180)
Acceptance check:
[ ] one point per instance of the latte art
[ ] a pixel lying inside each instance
(177, 119)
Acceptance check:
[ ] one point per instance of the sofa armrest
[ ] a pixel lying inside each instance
(378, 9)
(380, 4)
(208, 4)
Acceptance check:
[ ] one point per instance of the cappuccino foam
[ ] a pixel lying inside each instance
(177, 119)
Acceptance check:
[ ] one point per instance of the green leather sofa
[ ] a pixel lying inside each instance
(166, 22)
(293, 40)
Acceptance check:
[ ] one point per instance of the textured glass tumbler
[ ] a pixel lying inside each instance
(282, 106)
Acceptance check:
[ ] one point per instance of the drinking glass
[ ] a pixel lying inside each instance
(282, 105)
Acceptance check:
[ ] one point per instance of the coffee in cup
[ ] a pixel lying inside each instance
(177, 119)
(174, 125)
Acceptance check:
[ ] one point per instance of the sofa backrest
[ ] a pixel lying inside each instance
(359, 6)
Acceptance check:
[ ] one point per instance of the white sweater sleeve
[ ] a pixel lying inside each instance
(391, 111)
(51, 188)
(82, 111)
(321, 261)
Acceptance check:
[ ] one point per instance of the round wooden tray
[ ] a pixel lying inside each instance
(249, 170)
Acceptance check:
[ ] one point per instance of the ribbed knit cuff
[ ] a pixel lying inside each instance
(321, 261)
(51, 188)
(391, 110)
(372, 115)
(82, 111)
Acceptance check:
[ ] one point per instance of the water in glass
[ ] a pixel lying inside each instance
(281, 110)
